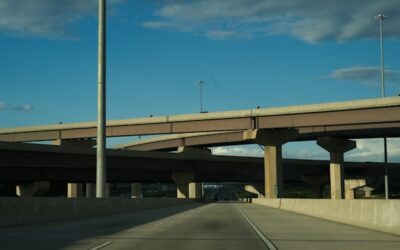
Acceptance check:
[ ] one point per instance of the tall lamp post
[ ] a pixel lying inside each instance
(201, 83)
(101, 104)
(380, 19)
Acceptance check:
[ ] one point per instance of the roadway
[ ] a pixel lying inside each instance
(351, 119)
(197, 226)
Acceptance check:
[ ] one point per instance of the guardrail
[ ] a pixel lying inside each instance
(382, 215)
(25, 211)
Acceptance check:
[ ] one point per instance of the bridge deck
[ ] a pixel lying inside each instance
(368, 117)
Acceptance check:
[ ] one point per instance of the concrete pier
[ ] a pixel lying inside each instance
(182, 181)
(336, 148)
(136, 190)
(38, 188)
(272, 140)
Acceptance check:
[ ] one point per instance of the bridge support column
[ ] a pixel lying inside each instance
(272, 141)
(350, 185)
(195, 190)
(336, 148)
(136, 190)
(273, 171)
(255, 188)
(90, 190)
(38, 188)
(182, 181)
(367, 191)
(75, 190)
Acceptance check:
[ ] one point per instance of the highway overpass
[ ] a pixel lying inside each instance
(199, 225)
(351, 119)
(23, 163)
(331, 124)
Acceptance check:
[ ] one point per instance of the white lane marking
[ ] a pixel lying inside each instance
(159, 224)
(101, 246)
(266, 241)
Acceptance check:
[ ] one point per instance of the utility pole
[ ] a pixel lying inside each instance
(380, 18)
(101, 105)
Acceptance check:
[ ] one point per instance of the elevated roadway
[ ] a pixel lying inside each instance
(331, 124)
(23, 162)
(351, 119)
(174, 142)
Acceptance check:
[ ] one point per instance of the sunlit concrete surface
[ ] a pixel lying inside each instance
(294, 231)
(375, 117)
(197, 226)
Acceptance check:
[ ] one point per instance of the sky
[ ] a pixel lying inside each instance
(249, 53)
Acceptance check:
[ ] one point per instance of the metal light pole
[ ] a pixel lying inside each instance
(201, 83)
(380, 18)
(101, 104)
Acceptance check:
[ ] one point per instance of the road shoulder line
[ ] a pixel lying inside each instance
(266, 241)
(101, 245)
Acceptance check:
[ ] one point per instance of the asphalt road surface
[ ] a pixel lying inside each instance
(198, 226)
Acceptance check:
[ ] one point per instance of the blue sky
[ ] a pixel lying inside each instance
(249, 53)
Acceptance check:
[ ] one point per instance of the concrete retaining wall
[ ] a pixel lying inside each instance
(23, 211)
(383, 215)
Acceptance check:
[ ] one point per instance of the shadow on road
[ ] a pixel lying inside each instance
(61, 234)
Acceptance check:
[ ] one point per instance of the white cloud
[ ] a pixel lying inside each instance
(248, 150)
(307, 154)
(301, 151)
(25, 107)
(48, 18)
(368, 75)
(304, 150)
(367, 150)
(3, 105)
(308, 20)
(372, 150)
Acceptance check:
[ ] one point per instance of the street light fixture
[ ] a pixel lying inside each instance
(381, 18)
(201, 83)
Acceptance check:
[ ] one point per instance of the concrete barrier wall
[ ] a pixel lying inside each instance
(383, 215)
(23, 211)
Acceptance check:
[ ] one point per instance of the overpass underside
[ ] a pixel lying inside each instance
(30, 163)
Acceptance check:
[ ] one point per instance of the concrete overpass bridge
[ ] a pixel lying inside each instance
(194, 225)
(352, 119)
(330, 124)
(25, 163)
